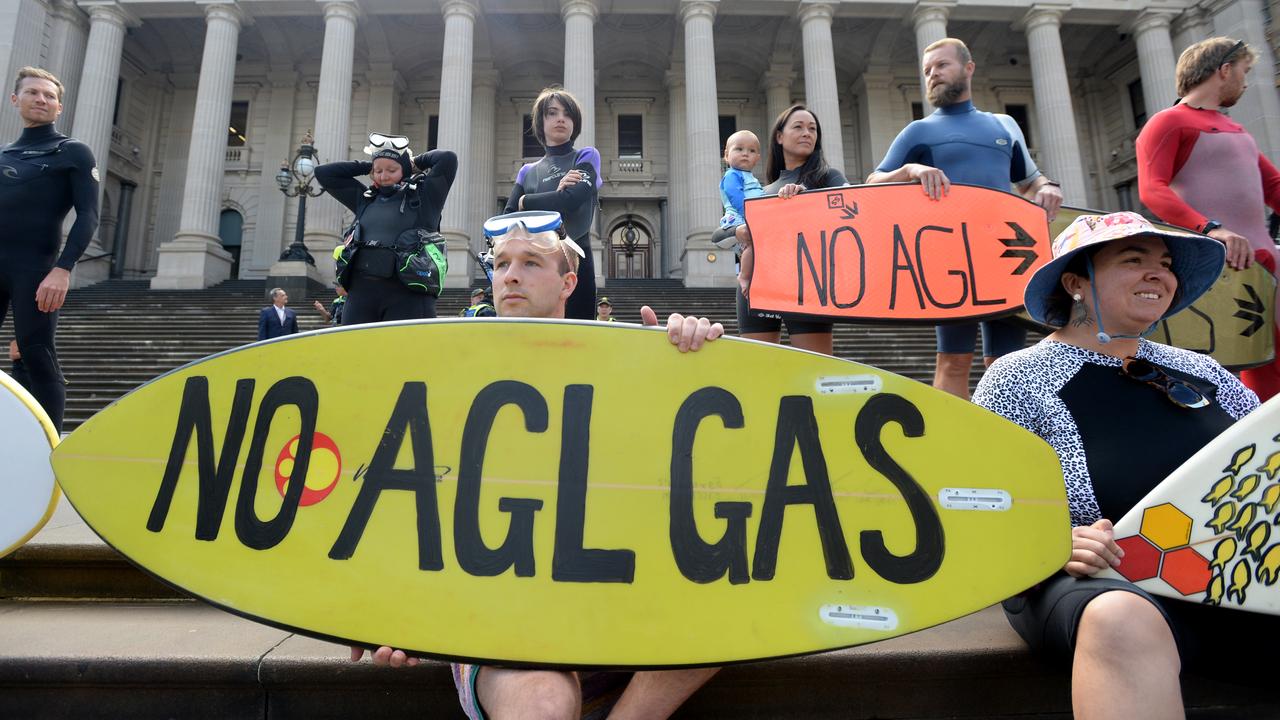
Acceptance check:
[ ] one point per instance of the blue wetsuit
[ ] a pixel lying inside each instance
(976, 148)
(537, 182)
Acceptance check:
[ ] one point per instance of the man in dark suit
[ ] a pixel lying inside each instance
(276, 319)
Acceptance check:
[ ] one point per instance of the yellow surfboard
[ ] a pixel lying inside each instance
(28, 492)
(575, 494)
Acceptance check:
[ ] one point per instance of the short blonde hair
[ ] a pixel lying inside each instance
(35, 72)
(962, 50)
(741, 134)
(1200, 61)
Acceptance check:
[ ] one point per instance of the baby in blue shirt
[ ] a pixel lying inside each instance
(741, 152)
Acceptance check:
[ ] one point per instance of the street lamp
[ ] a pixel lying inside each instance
(294, 180)
(629, 238)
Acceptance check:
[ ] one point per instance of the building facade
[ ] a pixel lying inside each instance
(191, 106)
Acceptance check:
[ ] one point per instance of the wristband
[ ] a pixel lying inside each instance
(1055, 184)
(1210, 226)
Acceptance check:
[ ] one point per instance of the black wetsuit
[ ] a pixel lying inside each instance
(374, 293)
(537, 182)
(42, 176)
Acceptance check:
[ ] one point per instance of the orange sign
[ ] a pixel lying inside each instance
(888, 252)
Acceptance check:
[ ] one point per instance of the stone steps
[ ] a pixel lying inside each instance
(119, 334)
(86, 634)
(187, 660)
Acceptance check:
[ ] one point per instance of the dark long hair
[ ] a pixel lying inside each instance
(566, 100)
(814, 170)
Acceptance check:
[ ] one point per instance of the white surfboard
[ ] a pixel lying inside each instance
(28, 491)
(1209, 533)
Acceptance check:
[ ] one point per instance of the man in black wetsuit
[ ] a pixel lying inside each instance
(42, 176)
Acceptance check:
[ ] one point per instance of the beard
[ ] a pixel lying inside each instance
(944, 93)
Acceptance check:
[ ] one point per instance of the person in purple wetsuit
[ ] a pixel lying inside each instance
(565, 180)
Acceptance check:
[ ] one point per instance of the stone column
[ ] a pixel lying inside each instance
(820, 77)
(930, 19)
(1060, 143)
(173, 175)
(580, 62)
(480, 195)
(1189, 28)
(66, 53)
(455, 131)
(1155, 60)
(1259, 109)
(281, 143)
(195, 258)
(385, 86)
(95, 102)
(777, 83)
(22, 36)
(677, 172)
(875, 88)
(332, 133)
(705, 265)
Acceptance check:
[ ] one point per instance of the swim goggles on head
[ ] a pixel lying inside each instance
(378, 141)
(534, 222)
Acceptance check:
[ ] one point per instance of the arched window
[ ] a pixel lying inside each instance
(231, 233)
(630, 246)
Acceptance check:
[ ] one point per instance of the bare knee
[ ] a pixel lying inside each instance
(1122, 628)
(955, 363)
(528, 694)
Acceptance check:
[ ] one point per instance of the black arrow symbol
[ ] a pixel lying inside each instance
(850, 212)
(1250, 311)
(1020, 239)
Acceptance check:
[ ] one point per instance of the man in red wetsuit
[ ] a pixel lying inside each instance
(1200, 169)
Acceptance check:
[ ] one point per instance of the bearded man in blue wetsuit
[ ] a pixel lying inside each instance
(959, 143)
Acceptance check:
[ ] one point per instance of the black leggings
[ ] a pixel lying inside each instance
(34, 331)
(581, 305)
(375, 299)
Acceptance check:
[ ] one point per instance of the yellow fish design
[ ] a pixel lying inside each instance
(1213, 596)
(1259, 534)
(1240, 578)
(1247, 485)
(1248, 513)
(1269, 568)
(1221, 517)
(1223, 552)
(1218, 491)
(1270, 497)
(1242, 456)
(1272, 466)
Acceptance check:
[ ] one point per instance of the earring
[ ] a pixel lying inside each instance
(1079, 314)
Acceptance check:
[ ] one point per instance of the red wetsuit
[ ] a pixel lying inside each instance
(1200, 165)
